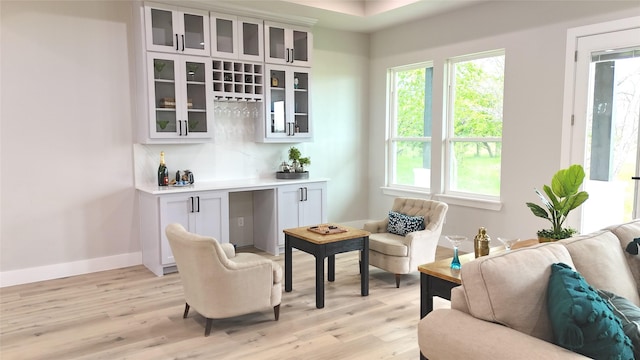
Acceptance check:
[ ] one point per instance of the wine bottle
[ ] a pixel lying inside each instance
(163, 172)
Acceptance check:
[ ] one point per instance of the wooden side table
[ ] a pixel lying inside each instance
(326, 245)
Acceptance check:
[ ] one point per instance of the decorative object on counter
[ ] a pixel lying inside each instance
(295, 170)
(163, 172)
(481, 243)
(563, 196)
(184, 177)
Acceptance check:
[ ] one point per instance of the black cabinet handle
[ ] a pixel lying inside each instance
(198, 203)
(291, 56)
(182, 42)
(193, 207)
(186, 127)
(305, 194)
(177, 48)
(635, 178)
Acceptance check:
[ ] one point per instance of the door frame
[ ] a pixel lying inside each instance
(567, 130)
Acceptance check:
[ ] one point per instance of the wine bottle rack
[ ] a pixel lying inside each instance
(237, 80)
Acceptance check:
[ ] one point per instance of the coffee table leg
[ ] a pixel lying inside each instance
(364, 268)
(287, 264)
(331, 271)
(319, 281)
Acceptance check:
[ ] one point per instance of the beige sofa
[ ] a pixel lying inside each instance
(500, 310)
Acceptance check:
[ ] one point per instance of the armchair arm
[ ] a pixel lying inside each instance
(452, 334)
(229, 250)
(379, 226)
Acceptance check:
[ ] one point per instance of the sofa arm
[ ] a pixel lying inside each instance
(451, 334)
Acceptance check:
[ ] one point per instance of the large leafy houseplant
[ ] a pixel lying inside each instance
(562, 197)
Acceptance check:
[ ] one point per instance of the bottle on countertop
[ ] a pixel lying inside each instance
(481, 243)
(163, 172)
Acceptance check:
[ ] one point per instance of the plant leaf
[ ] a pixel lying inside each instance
(553, 200)
(566, 182)
(538, 211)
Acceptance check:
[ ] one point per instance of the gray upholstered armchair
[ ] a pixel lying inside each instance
(217, 282)
(402, 254)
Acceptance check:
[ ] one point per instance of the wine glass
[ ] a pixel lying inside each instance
(456, 240)
(508, 242)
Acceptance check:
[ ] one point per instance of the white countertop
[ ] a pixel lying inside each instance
(228, 185)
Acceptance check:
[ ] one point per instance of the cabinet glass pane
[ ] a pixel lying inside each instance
(224, 35)
(250, 39)
(276, 43)
(278, 104)
(301, 101)
(193, 31)
(162, 27)
(165, 95)
(300, 51)
(196, 96)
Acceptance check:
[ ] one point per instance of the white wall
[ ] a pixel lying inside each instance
(67, 160)
(533, 35)
(67, 184)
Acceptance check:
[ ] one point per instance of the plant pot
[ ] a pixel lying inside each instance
(544, 239)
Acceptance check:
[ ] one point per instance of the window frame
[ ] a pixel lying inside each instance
(449, 138)
(392, 127)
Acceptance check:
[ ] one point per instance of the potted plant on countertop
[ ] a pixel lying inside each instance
(296, 169)
(562, 197)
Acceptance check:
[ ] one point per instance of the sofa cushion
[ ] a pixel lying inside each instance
(626, 233)
(629, 315)
(390, 244)
(601, 259)
(510, 288)
(581, 320)
(401, 224)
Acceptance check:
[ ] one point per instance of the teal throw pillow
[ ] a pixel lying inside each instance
(581, 320)
(401, 224)
(629, 315)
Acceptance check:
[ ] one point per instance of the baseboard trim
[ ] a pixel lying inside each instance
(56, 271)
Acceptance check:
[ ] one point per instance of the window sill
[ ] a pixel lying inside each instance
(449, 199)
(393, 191)
(470, 202)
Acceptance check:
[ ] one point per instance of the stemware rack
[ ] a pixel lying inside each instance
(237, 80)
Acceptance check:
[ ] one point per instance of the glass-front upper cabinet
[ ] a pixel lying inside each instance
(176, 29)
(237, 37)
(286, 44)
(287, 105)
(179, 96)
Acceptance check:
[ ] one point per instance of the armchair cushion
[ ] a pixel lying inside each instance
(390, 244)
(401, 224)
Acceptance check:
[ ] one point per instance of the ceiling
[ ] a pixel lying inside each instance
(352, 15)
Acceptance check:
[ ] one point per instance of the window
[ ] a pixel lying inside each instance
(409, 144)
(473, 142)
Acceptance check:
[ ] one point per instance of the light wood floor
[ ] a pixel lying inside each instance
(132, 314)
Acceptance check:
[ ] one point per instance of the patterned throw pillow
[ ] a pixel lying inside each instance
(401, 224)
(581, 320)
(629, 315)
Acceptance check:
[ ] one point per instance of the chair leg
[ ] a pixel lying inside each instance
(207, 327)
(276, 311)
(186, 310)
(397, 280)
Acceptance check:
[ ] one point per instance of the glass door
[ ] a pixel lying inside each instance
(277, 105)
(301, 102)
(196, 74)
(163, 98)
(605, 135)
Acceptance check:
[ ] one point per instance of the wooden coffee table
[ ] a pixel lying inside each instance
(326, 246)
(437, 278)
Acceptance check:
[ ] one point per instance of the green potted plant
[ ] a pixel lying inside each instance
(297, 161)
(562, 197)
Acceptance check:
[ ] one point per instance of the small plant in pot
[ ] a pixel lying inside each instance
(562, 197)
(297, 161)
